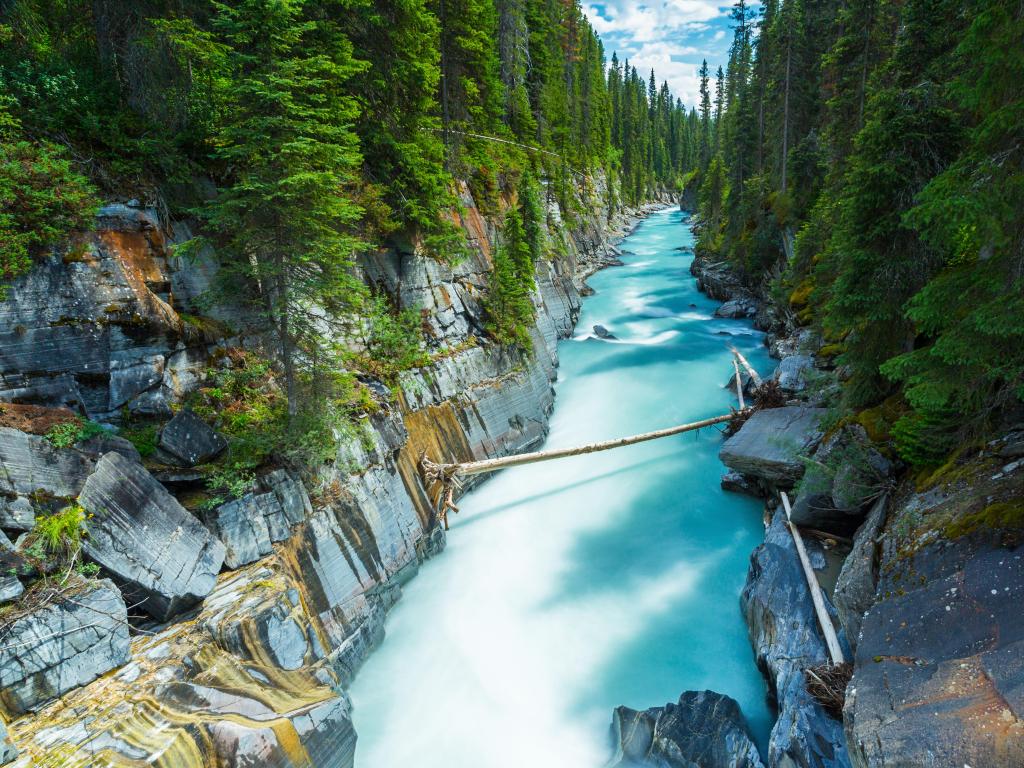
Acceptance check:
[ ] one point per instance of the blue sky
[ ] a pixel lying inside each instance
(673, 36)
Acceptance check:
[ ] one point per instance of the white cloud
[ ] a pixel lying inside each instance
(651, 35)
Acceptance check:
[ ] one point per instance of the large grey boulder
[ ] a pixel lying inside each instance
(10, 588)
(786, 639)
(188, 440)
(65, 644)
(704, 730)
(160, 555)
(30, 464)
(771, 443)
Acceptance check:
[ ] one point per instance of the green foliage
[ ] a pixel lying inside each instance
(142, 436)
(245, 403)
(58, 536)
(392, 341)
(510, 311)
(42, 198)
(66, 434)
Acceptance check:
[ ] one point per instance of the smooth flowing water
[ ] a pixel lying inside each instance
(573, 586)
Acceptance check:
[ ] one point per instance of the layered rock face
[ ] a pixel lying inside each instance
(252, 667)
(938, 674)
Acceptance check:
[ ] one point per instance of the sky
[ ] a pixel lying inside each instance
(672, 36)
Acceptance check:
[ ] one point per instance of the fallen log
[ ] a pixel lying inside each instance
(739, 383)
(447, 476)
(755, 377)
(835, 652)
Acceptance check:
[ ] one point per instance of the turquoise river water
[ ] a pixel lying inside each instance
(573, 586)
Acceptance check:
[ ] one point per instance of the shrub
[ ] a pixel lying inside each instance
(68, 433)
(58, 536)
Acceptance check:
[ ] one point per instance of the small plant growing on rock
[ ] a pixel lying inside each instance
(58, 537)
(68, 433)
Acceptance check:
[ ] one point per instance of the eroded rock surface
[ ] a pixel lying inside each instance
(78, 635)
(189, 441)
(703, 730)
(162, 557)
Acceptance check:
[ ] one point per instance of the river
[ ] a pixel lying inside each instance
(573, 586)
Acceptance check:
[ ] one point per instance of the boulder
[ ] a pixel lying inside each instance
(771, 443)
(16, 513)
(737, 483)
(188, 440)
(704, 730)
(794, 373)
(855, 588)
(64, 644)
(97, 445)
(249, 526)
(30, 464)
(10, 588)
(737, 308)
(603, 333)
(786, 640)
(160, 555)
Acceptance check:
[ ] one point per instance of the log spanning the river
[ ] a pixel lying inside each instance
(447, 475)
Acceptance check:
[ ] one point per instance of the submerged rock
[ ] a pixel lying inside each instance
(771, 443)
(786, 639)
(189, 440)
(704, 730)
(603, 333)
(51, 650)
(161, 556)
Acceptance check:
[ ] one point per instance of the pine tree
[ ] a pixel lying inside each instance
(284, 219)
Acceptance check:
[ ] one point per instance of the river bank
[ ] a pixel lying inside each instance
(261, 666)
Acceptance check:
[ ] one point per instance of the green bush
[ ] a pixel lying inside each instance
(66, 434)
(58, 536)
(42, 198)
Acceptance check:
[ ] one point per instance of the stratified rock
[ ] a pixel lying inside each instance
(74, 639)
(249, 527)
(159, 554)
(243, 685)
(189, 440)
(939, 669)
(29, 463)
(786, 639)
(855, 587)
(794, 372)
(704, 730)
(7, 749)
(291, 494)
(771, 442)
